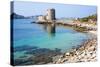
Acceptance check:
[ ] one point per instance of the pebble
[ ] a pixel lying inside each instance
(85, 53)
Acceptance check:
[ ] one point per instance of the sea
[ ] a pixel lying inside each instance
(27, 35)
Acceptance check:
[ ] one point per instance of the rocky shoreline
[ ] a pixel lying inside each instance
(84, 53)
(35, 55)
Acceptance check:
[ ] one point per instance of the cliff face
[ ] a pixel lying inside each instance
(85, 53)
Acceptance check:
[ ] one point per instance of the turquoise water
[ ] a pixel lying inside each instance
(44, 36)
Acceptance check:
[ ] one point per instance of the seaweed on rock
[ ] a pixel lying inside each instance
(24, 48)
(37, 55)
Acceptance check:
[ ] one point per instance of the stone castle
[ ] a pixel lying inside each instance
(49, 17)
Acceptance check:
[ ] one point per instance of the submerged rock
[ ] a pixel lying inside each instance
(84, 53)
(38, 56)
(24, 48)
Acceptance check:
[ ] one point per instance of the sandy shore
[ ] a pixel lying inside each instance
(84, 53)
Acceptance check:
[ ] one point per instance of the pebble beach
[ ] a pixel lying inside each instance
(85, 53)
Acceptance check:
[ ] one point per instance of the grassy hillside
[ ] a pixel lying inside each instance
(85, 19)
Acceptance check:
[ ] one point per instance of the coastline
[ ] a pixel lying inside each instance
(84, 53)
(52, 35)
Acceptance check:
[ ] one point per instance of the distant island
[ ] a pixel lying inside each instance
(17, 16)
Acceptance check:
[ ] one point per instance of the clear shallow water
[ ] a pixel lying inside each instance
(44, 36)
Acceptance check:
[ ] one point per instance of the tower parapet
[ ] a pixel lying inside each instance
(49, 17)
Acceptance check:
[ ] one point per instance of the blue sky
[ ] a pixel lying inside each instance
(62, 10)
